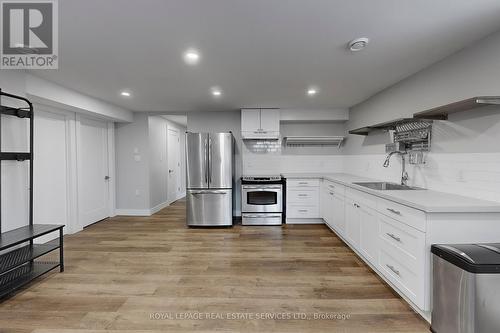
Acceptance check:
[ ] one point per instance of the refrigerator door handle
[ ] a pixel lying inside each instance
(206, 161)
(208, 192)
(209, 160)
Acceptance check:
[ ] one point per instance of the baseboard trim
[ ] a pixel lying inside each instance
(304, 221)
(159, 207)
(133, 212)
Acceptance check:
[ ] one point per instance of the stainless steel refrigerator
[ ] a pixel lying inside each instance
(210, 177)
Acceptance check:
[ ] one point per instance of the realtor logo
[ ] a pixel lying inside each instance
(29, 35)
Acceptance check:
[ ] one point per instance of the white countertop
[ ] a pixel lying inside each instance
(428, 201)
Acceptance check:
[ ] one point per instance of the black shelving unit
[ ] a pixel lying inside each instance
(18, 251)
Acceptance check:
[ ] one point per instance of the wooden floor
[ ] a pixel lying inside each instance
(153, 274)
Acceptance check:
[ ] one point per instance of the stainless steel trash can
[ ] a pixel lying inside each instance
(466, 288)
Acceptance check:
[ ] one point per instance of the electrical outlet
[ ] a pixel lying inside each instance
(137, 193)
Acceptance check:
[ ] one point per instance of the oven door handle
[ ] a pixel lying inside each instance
(261, 188)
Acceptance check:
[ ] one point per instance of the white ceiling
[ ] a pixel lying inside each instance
(260, 52)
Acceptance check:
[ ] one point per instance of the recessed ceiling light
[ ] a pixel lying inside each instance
(312, 91)
(358, 44)
(191, 57)
(125, 94)
(216, 92)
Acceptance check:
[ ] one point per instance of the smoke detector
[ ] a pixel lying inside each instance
(358, 44)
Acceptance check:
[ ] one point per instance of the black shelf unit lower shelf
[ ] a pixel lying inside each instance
(18, 264)
(15, 156)
(21, 276)
(25, 254)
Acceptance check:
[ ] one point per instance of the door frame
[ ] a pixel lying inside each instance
(178, 167)
(111, 187)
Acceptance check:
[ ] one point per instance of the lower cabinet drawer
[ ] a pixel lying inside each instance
(306, 212)
(406, 239)
(303, 197)
(411, 216)
(302, 183)
(410, 281)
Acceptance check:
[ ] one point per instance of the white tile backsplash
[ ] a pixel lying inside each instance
(469, 174)
(255, 164)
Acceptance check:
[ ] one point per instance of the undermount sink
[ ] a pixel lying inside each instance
(385, 186)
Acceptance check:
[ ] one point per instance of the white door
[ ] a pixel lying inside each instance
(51, 190)
(93, 171)
(174, 165)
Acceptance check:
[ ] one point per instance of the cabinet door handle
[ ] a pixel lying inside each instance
(302, 195)
(396, 238)
(303, 183)
(303, 210)
(397, 212)
(394, 270)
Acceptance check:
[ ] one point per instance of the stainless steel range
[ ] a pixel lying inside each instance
(262, 200)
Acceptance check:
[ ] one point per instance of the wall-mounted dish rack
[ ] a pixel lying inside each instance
(414, 135)
(300, 141)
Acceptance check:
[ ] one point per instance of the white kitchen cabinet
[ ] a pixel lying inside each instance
(368, 240)
(260, 123)
(250, 120)
(338, 213)
(324, 202)
(270, 120)
(353, 226)
(303, 201)
(393, 238)
(332, 206)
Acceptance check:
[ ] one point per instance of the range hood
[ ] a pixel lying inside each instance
(314, 140)
(260, 135)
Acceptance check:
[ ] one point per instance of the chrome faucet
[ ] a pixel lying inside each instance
(404, 174)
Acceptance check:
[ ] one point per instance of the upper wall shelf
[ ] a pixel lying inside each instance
(388, 125)
(437, 113)
(442, 112)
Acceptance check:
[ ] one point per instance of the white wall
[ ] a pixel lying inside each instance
(464, 157)
(158, 159)
(142, 164)
(132, 165)
(14, 174)
(15, 177)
